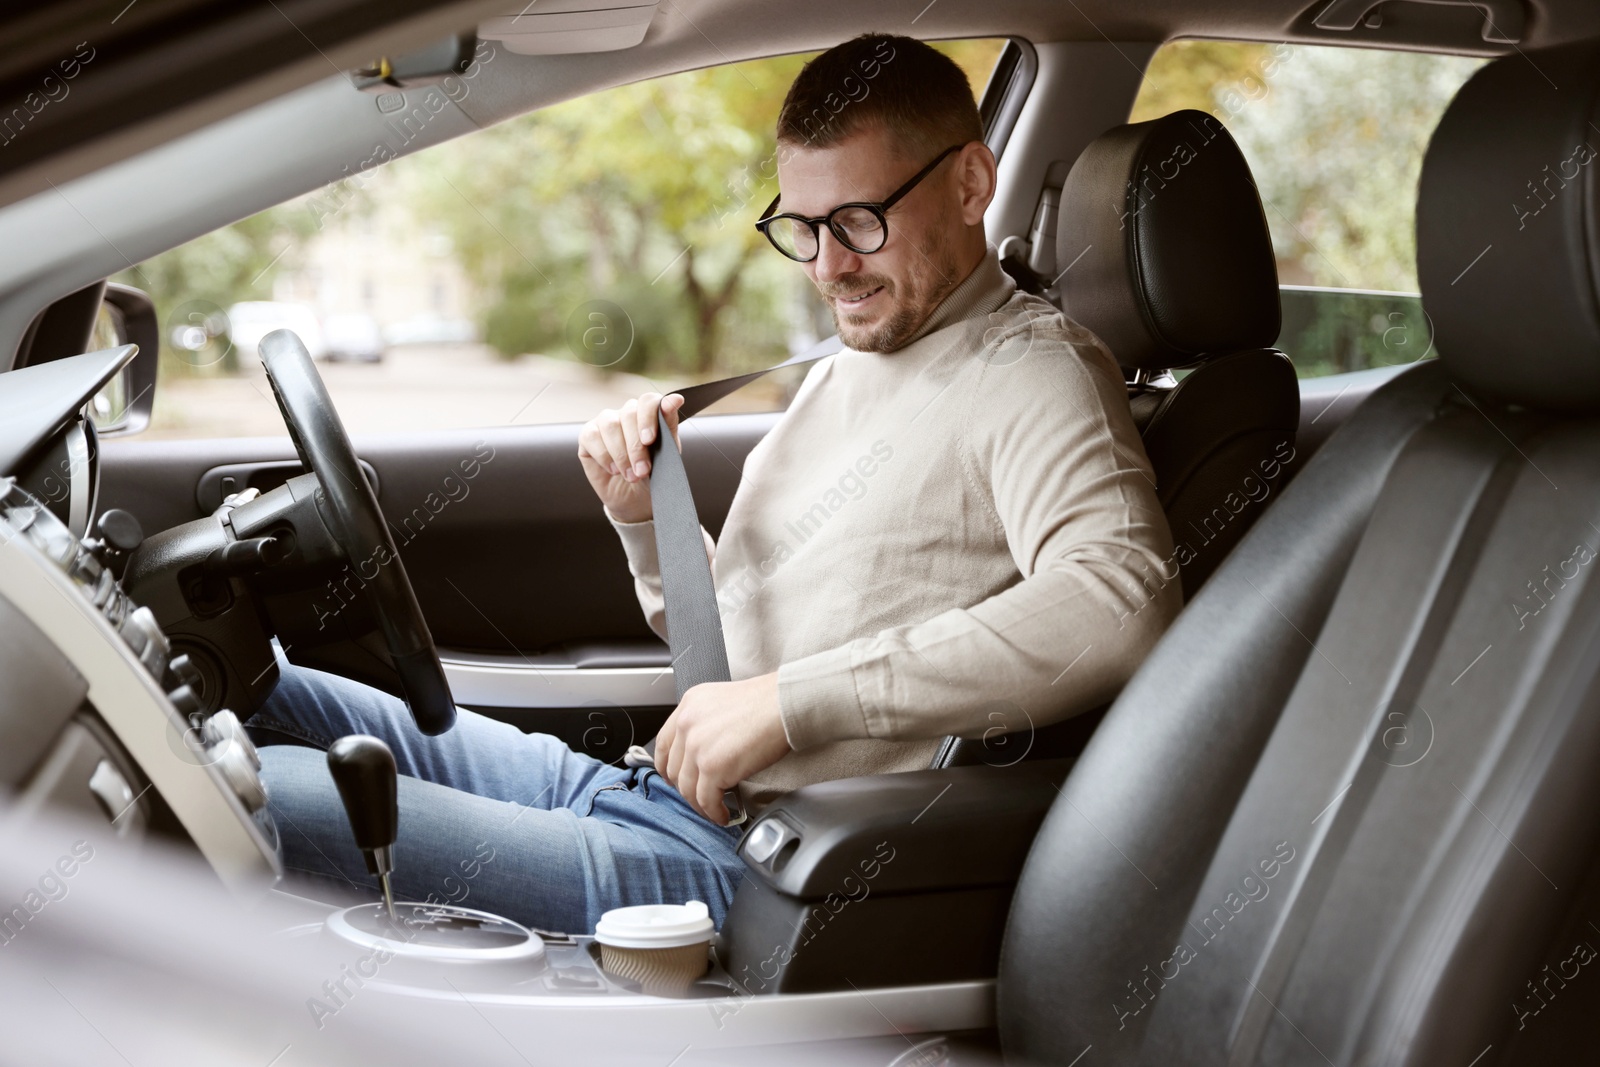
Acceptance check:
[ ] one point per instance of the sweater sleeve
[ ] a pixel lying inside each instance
(639, 543)
(1048, 443)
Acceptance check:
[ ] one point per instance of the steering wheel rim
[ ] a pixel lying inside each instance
(350, 508)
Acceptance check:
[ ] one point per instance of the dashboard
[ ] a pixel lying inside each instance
(96, 713)
(46, 443)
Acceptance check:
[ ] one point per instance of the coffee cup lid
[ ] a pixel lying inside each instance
(655, 926)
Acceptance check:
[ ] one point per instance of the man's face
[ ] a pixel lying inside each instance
(935, 232)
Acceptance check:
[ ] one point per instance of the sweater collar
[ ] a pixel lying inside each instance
(983, 291)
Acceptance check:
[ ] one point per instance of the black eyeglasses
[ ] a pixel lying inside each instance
(861, 227)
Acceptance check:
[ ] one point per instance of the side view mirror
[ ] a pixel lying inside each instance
(99, 316)
(126, 316)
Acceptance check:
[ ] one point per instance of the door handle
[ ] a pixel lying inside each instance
(1503, 20)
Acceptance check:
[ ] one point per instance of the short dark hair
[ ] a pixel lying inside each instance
(916, 93)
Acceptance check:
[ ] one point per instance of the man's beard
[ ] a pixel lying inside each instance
(884, 336)
(923, 291)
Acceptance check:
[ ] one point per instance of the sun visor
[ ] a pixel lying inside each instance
(559, 27)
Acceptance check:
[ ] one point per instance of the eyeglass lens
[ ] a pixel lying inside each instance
(857, 228)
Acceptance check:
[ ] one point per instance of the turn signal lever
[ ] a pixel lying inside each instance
(363, 769)
(243, 558)
(119, 536)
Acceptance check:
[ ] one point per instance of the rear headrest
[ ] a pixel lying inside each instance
(1165, 248)
(1508, 231)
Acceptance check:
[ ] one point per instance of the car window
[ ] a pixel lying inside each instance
(532, 272)
(1335, 139)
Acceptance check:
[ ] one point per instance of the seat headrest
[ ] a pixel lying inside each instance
(1165, 246)
(1508, 230)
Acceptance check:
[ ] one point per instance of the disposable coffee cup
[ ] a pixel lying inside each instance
(663, 947)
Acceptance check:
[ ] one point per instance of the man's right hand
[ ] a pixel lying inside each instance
(614, 448)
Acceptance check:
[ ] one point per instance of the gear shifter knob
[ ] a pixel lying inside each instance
(364, 772)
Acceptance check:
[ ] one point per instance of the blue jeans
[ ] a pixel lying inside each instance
(490, 817)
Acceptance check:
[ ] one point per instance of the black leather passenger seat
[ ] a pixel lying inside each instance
(1349, 810)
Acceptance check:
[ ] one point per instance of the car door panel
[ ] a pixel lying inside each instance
(522, 580)
(514, 557)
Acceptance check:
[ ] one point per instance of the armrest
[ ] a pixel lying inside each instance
(947, 828)
(892, 879)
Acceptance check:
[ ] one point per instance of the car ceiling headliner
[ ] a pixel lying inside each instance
(164, 67)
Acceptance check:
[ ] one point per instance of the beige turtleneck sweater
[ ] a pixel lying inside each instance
(958, 537)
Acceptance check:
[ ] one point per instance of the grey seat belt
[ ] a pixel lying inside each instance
(694, 624)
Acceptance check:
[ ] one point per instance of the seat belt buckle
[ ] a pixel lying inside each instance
(640, 756)
(737, 816)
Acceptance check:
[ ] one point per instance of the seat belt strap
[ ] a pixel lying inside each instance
(694, 624)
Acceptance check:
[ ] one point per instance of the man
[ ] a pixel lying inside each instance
(952, 530)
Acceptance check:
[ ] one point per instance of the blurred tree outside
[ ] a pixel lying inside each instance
(640, 199)
(1335, 139)
(636, 196)
(192, 283)
(615, 228)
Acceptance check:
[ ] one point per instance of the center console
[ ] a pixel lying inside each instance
(885, 880)
(654, 980)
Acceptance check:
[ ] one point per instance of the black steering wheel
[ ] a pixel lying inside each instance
(350, 509)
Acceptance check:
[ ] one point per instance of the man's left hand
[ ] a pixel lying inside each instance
(721, 734)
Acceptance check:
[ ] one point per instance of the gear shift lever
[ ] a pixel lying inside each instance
(363, 769)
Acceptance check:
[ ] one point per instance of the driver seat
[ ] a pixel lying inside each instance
(1176, 272)
(1349, 810)
(1171, 265)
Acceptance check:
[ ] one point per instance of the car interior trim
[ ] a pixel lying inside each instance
(512, 682)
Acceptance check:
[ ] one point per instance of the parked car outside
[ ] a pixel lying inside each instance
(353, 336)
(251, 320)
